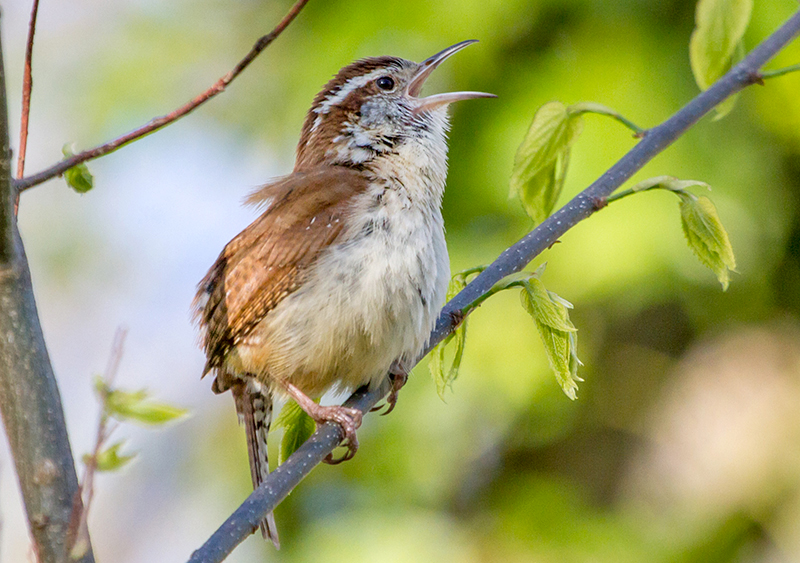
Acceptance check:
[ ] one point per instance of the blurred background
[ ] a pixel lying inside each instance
(684, 442)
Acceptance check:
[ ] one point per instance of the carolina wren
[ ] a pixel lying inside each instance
(342, 276)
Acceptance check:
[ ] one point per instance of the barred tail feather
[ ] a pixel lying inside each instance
(254, 407)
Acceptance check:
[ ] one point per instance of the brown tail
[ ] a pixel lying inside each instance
(255, 413)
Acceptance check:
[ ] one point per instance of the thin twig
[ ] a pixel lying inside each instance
(279, 484)
(27, 86)
(159, 122)
(78, 532)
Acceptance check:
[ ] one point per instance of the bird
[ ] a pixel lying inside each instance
(339, 281)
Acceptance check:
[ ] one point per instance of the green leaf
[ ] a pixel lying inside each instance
(443, 378)
(436, 365)
(461, 340)
(126, 405)
(541, 161)
(298, 427)
(716, 42)
(546, 310)
(459, 281)
(110, 458)
(78, 177)
(558, 334)
(574, 364)
(556, 344)
(719, 28)
(101, 387)
(706, 236)
(726, 106)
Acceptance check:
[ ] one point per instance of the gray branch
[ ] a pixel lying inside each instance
(29, 397)
(272, 491)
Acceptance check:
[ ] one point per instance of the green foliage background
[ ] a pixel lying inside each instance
(682, 445)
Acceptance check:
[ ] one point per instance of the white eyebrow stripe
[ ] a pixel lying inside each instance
(344, 90)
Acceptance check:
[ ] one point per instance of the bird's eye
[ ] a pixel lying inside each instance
(385, 83)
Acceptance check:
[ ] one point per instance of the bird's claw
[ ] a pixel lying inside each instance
(348, 455)
(399, 377)
(349, 419)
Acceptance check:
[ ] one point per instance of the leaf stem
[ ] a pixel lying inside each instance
(624, 193)
(779, 71)
(630, 191)
(667, 183)
(471, 271)
(599, 109)
(626, 122)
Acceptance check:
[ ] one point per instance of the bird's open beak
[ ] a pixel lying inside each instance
(426, 67)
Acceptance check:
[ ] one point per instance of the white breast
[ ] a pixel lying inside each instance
(366, 303)
(373, 298)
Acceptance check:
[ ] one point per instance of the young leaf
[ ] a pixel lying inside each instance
(298, 427)
(101, 387)
(110, 458)
(444, 379)
(706, 236)
(540, 164)
(126, 405)
(546, 310)
(461, 340)
(726, 106)
(78, 177)
(556, 345)
(436, 364)
(716, 42)
(574, 361)
(558, 334)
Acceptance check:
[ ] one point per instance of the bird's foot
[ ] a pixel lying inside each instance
(349, 419)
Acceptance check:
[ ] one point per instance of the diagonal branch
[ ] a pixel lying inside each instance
(287, 476)
(159, 122)
(27, 86)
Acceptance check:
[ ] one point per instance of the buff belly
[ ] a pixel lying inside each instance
(367, 302)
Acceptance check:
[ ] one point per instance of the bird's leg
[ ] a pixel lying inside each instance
(348, 418)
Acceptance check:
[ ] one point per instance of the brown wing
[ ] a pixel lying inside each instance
(266, 261)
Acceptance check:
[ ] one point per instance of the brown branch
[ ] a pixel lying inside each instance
(159, 122)
(27, 86)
